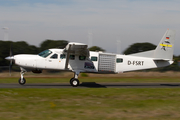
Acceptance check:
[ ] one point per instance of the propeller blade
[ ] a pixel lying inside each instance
(11, 60)
(10, 68)
(11, 50)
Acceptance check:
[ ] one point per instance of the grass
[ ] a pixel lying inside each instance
(90, 104)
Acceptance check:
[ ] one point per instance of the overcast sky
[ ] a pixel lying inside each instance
(106, 21)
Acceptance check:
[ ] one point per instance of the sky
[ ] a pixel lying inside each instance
(104, 23)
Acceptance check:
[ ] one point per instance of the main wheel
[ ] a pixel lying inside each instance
(22, 82)
(71, 81)
(74, 82)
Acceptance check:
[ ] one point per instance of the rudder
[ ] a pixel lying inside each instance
(165, 48)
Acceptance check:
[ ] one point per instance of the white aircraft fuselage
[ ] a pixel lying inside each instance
(97, 62)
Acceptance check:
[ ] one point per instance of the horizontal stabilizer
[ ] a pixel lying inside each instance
(161, 59)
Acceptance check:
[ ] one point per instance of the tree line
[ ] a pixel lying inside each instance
(22, 47)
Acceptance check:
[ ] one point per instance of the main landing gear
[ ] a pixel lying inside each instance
(74, 81)
(22, 80)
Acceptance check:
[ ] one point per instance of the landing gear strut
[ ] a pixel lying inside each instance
(22, 80)
(74, 81)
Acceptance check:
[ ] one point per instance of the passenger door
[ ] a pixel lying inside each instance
(62, 61)
(52, 62)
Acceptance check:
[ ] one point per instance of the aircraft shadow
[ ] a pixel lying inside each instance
(92, 85)
(106, 85)
(83, 84)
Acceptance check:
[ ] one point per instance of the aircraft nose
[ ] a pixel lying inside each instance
(10, 58)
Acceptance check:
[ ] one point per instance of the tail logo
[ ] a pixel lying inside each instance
(166, 44)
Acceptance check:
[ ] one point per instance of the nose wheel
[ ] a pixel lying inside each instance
(74, 82)
(22, 81)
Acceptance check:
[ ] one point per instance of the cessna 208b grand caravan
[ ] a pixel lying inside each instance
(75, 57)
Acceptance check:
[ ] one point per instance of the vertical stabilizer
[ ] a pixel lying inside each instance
(165, 48)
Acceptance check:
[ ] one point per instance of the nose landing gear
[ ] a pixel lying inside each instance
(22, 80)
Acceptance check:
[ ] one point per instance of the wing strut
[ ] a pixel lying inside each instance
(67, 59)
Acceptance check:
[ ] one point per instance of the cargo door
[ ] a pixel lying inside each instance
(107, 63)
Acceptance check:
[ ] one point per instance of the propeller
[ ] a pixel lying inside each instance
(11, 61)
(10, 58)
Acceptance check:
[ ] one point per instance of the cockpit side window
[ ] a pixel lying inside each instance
(45, 53)
(55, 56)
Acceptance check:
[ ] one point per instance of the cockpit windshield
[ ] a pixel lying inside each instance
(45, 53)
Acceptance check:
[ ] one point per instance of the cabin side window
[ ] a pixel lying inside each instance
(82, 57)
(72, 57)
(93, 58)
(55, 56)
(62, 56)
(119, 60)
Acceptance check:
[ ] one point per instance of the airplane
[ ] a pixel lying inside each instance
(76, 57)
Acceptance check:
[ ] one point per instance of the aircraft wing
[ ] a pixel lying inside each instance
(77, 49)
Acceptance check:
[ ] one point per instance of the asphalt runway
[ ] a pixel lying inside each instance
(91, 85)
